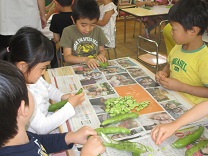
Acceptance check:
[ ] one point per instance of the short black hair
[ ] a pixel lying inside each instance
(29, 45)
(85, 9)
(64, 3)
(190, 13)
(13, 90)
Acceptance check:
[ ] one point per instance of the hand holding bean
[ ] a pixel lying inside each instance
(93, 147)
(76, 100)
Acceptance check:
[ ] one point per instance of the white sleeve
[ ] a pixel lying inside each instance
(54, 93)
(42, 124)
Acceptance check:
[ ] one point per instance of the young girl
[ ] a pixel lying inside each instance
(107, 20)
(31, 52)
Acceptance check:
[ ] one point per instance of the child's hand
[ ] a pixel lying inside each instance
(150, 3)
(101, 58)
(171, 84)
(159, 75)
(81, 135)
(161, 132)
(76, 100)
(92, 63)
(95, 143)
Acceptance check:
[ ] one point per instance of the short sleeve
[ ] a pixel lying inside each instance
(66, 40)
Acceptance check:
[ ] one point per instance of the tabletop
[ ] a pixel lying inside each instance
(123, 77)
(152, 11)
(142, 12)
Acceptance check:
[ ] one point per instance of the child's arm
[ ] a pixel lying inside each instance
(56, 37)
(102, 54)
(106, 18)
(176, 85)
(163, 131)
(68, 57)
(73, 99)
(138, 3)
(41, 6)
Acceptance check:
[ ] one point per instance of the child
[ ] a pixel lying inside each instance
(187, 61)
(31, 52)
(17, 106)
(62, 19)
(107, 21)
(84, 42)
(169, 42)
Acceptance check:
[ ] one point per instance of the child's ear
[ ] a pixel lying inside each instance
(22, 66)
(194, 30)
(23, 109)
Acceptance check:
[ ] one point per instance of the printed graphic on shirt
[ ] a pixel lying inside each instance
(179, 64)
(86, 46)
(41, 150)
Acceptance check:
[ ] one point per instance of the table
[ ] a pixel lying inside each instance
(141, 13)
(123, 77)
(205, 37)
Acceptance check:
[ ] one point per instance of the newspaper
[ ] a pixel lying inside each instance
(123, 77)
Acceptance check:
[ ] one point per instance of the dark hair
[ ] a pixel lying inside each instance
(115, 2)
(64, 3)
(85, 9)
(13, 90)
(190, 13)
(28, 45)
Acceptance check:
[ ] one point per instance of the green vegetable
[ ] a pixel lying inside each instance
(113, 130)
(133, 147)
(103, 64)
(188, 139)
(58, 105)
(79, 91)
(123, 105)
(147, 7)
(201, 144)
(119, 118)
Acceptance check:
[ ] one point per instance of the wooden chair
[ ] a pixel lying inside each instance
(152, 58)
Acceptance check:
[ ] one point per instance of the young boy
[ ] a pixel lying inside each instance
(17, 107)
(187, 61)
(62, 19)
(84, 42)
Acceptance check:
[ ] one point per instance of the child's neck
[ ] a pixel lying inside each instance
(106, 1)
(20, 139)
(194, 44)
(66, 9)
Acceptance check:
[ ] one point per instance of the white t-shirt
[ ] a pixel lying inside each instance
(109, 28)
(15, 14)
(42, 121)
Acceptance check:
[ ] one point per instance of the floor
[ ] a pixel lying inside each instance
(129, 49)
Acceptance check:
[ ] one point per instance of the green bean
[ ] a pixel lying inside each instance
(58, 105)
(103, 64)
(113, 130)
(79, 91)
(119, 118)
(202, 144)
(188, 139)
(124, 145)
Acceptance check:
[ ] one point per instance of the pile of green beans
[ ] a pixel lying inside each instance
(123, 105)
